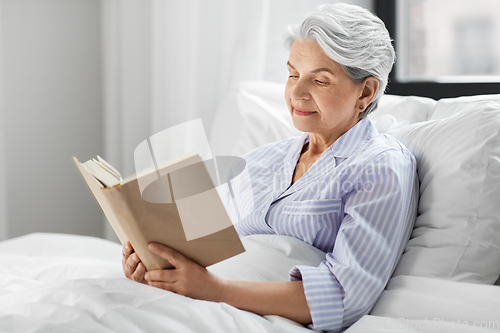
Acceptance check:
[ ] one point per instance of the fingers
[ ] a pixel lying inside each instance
(168, 279)
(165, 286)
(163, 275)
(133, 268)
(172, 256)
(127, 249)
(132, 261)
(139, 273)
(165, 279)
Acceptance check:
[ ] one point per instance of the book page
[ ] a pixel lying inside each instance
(101, 174)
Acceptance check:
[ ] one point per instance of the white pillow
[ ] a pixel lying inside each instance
(265, 114)
(457, 231)
(450, 106)
(395, 112)
(410, 109)
(268, 258)
(226, 127)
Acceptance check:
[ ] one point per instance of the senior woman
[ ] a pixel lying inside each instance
(341, 186)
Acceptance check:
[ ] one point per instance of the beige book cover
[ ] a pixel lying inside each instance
(192, 207)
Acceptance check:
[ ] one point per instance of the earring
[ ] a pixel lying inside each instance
(361, 107)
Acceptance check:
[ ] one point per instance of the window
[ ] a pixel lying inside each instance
(445, 48)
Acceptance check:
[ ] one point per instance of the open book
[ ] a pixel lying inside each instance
(175, 204)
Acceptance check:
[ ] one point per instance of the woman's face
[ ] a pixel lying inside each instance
(321, 97)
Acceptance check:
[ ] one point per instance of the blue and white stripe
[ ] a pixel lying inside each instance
(357, 202)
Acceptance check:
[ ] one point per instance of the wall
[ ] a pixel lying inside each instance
(3, 172)
(52, 110)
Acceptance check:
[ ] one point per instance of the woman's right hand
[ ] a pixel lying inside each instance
(133, 268)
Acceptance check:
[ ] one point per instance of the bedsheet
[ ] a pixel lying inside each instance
(376, 324)
(421, 304)
(67, 283)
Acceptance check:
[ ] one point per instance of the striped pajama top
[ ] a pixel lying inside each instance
(357, 203)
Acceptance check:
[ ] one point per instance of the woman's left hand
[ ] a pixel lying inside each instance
(186, 278)
(286, 299)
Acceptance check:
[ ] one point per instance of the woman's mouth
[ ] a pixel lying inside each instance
(302, 112)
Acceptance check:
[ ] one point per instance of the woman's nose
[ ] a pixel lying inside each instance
(300, 91)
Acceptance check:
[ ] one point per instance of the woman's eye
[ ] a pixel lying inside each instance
(323, 83)
(292, 76)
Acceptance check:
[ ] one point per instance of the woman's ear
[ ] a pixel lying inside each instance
(370, 88)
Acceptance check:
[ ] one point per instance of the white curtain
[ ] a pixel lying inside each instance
(167, 62)
(200, 50)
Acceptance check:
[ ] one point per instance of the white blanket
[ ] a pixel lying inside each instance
(419, 304)
(65, 283)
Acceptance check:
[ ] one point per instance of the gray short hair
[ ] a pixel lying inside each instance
(354, 38)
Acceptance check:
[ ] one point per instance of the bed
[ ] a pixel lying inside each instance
(444, 281)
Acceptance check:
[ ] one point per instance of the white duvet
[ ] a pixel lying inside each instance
(66, 283)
